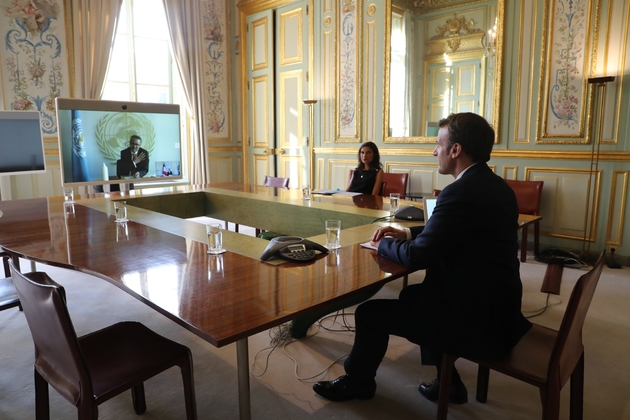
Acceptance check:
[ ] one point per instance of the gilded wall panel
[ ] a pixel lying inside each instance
(566, 201)
(221, 168)
(617, 207)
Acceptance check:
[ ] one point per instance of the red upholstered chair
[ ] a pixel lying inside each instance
(394, 183)
(93, 368)
(436, 192)
(528, 195)
(544, 357)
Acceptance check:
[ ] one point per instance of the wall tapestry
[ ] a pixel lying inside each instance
(215, 68)
(564, 108)
(33, 65)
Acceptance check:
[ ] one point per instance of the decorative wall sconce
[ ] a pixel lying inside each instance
(491, 41)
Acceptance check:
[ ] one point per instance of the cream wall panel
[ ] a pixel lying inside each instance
(370, 111)
(328, 86)
(261, 116)
(510, 172)
(292, 164)
(260, 44)
(524, 78)
(564, 200)
(291, 109)
(617, 208)
(261, 165)
(338, 171)
(290, 50)
(220, 168)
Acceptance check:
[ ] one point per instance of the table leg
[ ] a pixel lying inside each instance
(242, 365)
(524, 244)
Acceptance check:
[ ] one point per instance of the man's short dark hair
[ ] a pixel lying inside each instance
(135, 136)
(472, 132)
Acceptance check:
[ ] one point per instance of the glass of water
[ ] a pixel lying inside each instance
(68, 195)
(333, 233)
(120, 208)
(215, 239)
(306, 192)
(394, 202)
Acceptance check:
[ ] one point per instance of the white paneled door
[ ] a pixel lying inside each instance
(277, 74)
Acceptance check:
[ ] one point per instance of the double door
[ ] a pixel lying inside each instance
(277, 85)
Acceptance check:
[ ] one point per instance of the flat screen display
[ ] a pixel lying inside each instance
(22, 143)
(111, 142)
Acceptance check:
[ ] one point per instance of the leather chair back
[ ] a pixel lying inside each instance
(394, 183)
(57, 354)
(528, 195)
(272, 181)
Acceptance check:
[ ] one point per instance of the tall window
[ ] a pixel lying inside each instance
(141, 68)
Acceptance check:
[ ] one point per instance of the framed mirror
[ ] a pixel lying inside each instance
(444, 57)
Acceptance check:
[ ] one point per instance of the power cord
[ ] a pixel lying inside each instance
(541, 311)
(281, 337)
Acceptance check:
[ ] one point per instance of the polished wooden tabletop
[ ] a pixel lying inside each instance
(221, 298)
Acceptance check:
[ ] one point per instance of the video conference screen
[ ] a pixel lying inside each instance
(106, 142)
(22, 143)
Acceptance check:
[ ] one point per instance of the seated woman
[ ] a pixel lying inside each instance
(368, 175)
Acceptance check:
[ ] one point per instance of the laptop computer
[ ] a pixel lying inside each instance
(428, 204)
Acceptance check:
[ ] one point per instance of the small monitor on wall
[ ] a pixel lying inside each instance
(22, 143)
(111, 142)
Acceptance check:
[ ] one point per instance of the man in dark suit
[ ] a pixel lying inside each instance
(469, 303)
(134, 160)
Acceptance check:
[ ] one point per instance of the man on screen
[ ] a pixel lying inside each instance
(134, 160)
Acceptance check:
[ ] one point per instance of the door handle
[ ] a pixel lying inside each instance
(279, 151)
(269, 151)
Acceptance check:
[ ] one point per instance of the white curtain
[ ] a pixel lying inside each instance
(184, 23)
(94, 27)
(408, 110)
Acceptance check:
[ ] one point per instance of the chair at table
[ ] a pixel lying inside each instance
(436, 192)
(544, 357)
(528, 195)
(93, 368)
(8, 295)
(394, 183)
(271, 181)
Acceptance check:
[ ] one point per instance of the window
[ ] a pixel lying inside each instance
(141, 68)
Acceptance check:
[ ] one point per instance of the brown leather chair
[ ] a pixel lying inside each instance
(436, 192)
(544, 357)
(8, 295)
(394, 183)
(528, 195)
(272, 181)
(91, 369)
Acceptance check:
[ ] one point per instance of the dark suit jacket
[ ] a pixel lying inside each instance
(126, 166)
(472, 288)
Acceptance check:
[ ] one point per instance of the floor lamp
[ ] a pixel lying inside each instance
(598, 86)
(311, 135)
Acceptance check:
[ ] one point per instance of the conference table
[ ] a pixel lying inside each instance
(161, 258)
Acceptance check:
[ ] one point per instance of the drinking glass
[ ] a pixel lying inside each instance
(68, 195)
(333, 233)
(120, 209)
(306, 192)
(215, 239)
(394, 202)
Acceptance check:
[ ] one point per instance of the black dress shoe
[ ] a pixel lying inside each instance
(431, 391)
(343, 389)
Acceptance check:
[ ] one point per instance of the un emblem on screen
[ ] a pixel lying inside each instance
(114, 130)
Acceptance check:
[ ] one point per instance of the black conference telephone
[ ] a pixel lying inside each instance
(292, 248)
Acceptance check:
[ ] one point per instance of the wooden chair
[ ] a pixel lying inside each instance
(528, 196)
(544, 357)
(91, 369)
(8, 294)
(394, 183)
(436, 192)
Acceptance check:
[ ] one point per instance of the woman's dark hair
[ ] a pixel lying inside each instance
(376, 161)
(472, 132)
